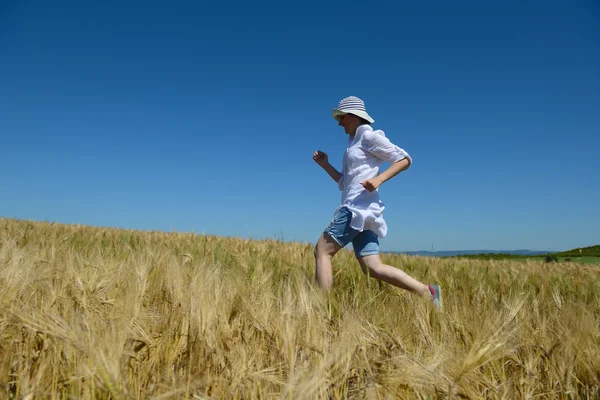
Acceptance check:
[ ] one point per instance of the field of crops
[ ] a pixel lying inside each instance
(104, 313)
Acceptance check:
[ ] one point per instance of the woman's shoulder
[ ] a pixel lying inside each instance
(370, 136)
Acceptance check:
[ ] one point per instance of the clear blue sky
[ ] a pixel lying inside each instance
(197, 116)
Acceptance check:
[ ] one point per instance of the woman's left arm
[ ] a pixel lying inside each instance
(393, 170)
(382, 148)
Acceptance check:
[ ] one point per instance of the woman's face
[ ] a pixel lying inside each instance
(349, 122)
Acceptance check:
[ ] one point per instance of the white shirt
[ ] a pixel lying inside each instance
(366, 153)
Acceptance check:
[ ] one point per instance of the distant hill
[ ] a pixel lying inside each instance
(591, 251)
(452, 253)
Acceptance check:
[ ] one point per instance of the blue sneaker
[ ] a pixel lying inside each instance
(436, 296)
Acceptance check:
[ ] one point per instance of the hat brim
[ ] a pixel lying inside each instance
(359, 113)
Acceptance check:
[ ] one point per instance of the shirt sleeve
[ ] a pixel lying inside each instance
(341, 183)
(380, 146)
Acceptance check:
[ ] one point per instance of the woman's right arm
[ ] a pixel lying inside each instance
(322, 159)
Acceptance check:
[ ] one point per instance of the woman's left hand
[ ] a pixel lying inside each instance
(371, 184)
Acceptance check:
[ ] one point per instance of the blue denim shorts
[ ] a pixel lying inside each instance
(365, 243)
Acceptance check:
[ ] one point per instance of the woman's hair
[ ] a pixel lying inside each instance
(362, 120)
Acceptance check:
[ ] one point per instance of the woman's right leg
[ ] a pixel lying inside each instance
(325, 249)
(373, 266)
(366, 249)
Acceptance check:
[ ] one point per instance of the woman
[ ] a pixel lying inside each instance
(359, 219)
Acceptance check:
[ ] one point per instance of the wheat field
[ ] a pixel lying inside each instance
(96, 313)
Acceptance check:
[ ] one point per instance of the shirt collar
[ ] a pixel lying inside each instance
(359, 131)
(363, 128)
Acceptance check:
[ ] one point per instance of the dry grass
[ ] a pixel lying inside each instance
(105, 313)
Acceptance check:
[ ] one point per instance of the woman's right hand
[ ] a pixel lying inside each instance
(321, 158)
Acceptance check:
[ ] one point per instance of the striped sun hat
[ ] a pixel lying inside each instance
(352, 105)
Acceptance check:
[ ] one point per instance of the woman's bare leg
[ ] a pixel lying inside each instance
(392, 275)
(325, 249)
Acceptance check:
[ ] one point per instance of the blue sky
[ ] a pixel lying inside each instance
(195, 116)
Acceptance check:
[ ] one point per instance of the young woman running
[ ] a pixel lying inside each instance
(359, 219)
